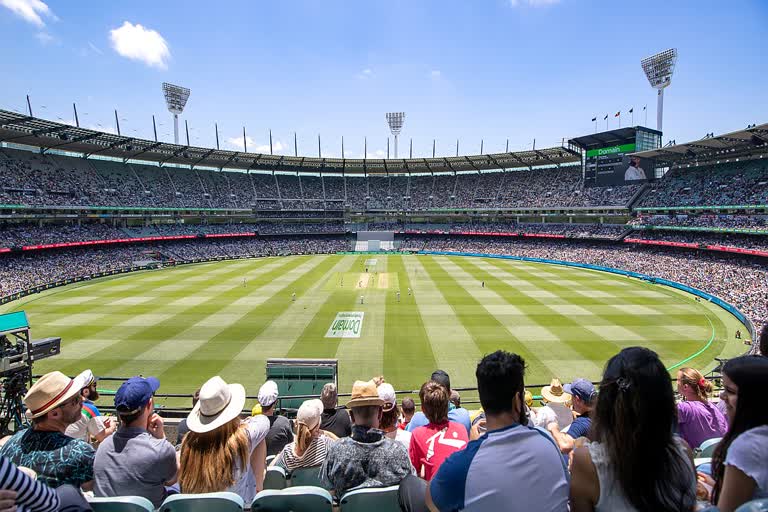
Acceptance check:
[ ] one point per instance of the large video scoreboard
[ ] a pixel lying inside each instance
(608, 159)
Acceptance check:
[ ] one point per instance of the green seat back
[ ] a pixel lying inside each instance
(293, 499)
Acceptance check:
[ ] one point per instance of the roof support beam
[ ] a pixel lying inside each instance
(76, 140)
(145, 150)
(206, 155)
(115, 144)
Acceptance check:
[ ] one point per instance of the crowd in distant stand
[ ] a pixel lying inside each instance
(54, 180)
(731, 184)
(742, 282)
(27, 270)
(592, 230)
(18, 235)
(756, 242)
(751, 222)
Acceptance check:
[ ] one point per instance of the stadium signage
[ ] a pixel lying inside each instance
(612, 150)
(347, 324)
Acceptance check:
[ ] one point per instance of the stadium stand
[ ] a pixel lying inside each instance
(727, 184)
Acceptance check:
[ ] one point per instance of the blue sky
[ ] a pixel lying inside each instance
(472, 70)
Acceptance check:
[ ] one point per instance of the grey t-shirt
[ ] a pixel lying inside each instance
(132, 462)
(280, 434)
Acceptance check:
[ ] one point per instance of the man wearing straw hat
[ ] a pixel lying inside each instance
(53, 403)
(367, 458)
(557, 408)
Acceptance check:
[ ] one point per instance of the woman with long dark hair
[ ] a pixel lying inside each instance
(635, 461)
(740, 461)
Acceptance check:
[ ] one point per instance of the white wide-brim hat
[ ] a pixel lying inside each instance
(219, 404)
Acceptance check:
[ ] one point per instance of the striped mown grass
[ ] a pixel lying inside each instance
(187, 323)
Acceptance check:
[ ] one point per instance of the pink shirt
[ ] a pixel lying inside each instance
(433, 443)
(699, 421)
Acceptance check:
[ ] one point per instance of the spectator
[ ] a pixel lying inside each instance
(557, 400)
(137, 460)
(457, 414)
(91, 422)
(409, 409)
(310, 446)
(739, 462)
(487, 474)
(28, 494)
(390, 416)
(182, 429)
(455, 398)
(280, 430)
(334, 420)
(697, 418)
(53, 403)
(635, 462)
(367, 458)
(436, 441)
(583, 395)
(221, 453)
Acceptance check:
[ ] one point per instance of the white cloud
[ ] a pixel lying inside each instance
(435, 74)
(236, 143)
(31, 10)
(533, 3)
(137, 42)
(45, 38)
(365, 74)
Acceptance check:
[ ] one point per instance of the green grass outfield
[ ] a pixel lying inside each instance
(188, 323)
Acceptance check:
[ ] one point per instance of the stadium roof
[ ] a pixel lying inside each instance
(729, 145)
(49, 135)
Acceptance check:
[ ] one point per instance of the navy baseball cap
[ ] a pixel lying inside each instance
(135, 393)
(581, 388)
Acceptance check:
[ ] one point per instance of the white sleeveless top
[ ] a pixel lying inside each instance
(612, 498)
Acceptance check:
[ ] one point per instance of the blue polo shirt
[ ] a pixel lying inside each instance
(457, 414)
(513, 468)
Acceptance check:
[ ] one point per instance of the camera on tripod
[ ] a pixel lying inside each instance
(17, 354)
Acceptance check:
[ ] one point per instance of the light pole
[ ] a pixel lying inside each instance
(395, 121)
(658, 69)
(175, 98)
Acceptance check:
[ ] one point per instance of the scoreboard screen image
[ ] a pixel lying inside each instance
(613, 166)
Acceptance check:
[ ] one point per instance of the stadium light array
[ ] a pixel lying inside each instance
(395, 121)
(176, 99)
(658, 69)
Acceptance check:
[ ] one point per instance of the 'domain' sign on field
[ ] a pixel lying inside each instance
(347, 324)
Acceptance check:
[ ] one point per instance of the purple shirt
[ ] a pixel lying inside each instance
(699, 421)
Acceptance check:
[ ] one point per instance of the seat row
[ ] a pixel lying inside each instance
(303, 498)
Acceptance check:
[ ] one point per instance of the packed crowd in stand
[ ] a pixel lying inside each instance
(742, 282)
(624, 445)
(575, 230)
(27, 270)
(18, 235)
(756, 242)
(54, 180)
(730, 184)
(750, 222)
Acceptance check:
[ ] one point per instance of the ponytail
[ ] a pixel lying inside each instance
(696, 380)
(303, 438)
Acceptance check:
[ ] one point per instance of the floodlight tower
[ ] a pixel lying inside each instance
(395, 121)
(176, 99)
(658, 69)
